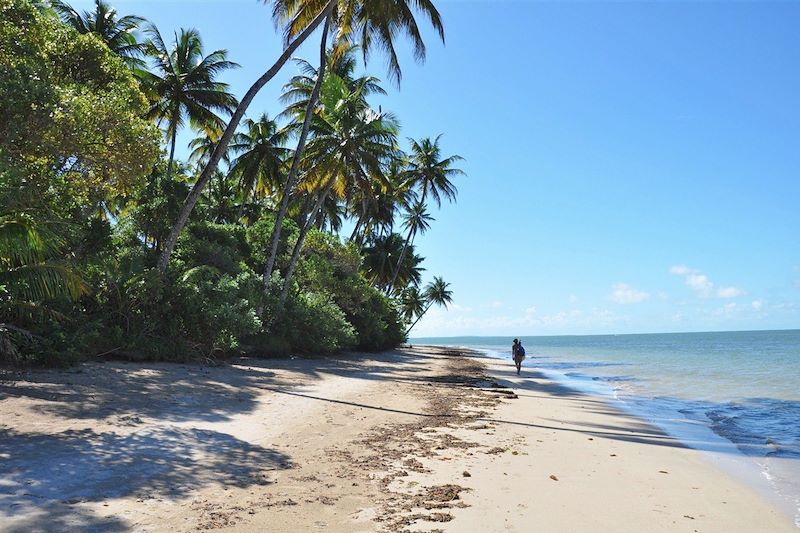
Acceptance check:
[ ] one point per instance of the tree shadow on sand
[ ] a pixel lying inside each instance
(45, 475)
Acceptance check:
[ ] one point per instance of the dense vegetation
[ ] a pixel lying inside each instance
(284, 230)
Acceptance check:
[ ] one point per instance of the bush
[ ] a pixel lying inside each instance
(311, 323)
(330, 267)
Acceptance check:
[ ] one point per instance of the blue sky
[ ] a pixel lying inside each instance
(632, 166)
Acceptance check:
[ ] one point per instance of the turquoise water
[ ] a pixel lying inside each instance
(743, 386)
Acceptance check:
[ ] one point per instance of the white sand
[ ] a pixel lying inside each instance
(344, 445)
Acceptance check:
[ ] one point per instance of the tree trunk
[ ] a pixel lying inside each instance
(291, 177)
(403, 251)
(400, 261)
(417, 320)
(298, 246)
(173, 139)
(222, 145)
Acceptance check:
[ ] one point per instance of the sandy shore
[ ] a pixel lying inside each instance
(417, 440)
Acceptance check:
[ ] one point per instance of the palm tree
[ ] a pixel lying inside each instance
(29, 275)
(221, 199)
(415, 220)
(412, 303)
(380, 256)
(184, 86)
(119, 34)
(262, 154)
(375, 24)
(437, 292)
(351, 144)
(430, 172)
(202, 147)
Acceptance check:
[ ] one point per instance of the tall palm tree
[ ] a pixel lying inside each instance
(262, 154)
(119, 34)
(437, 292)
(380, 256)
(412, 303)
(416, 220)
(351, 144)
(183, 86)
(430, 172)
(374, 24)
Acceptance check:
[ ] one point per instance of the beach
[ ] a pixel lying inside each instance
(420, 439)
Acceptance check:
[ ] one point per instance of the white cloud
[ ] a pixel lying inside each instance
(757, 304)
(573, 299)
(729, 292)
(622, 293)
(702, 285)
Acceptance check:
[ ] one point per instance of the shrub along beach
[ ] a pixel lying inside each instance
(210, 337)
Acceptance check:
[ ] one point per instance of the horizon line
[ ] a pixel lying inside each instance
(605, 334)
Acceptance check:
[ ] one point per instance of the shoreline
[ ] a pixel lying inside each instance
(421, 439)
(777, 478)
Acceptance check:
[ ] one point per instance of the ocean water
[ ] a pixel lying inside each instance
(733, 394)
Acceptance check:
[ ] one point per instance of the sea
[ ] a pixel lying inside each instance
(734, 395)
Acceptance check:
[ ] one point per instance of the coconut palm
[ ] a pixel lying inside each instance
(350, 147)
(380, 257)
(262, 154)
(416, 220)
(29, 275)
(202, 147)
(412, 303)
(436, 292)
(119, 34)
(430, 172)
(342, 63)
(374, 24)
(221, 199)
(183, 86)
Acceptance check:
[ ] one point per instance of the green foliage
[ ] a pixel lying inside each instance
(332, 267)
(69, 106)
(88, 195)
(312, 323)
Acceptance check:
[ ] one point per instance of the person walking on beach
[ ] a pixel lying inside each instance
(518, 353)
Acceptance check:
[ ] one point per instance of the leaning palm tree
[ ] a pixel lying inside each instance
(351, 144)
(437, 292)
(261, 155)
(415, 220)
(183, 86)
(119, 34)
(374, 24)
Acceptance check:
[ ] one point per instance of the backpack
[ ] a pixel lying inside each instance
(520, 350)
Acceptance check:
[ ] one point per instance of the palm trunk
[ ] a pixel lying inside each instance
(400, 261)
(222, 145)
(403, 251)
(417, 320)
(291, 178)
(173, 139)
(298, 246)
(356, 229)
